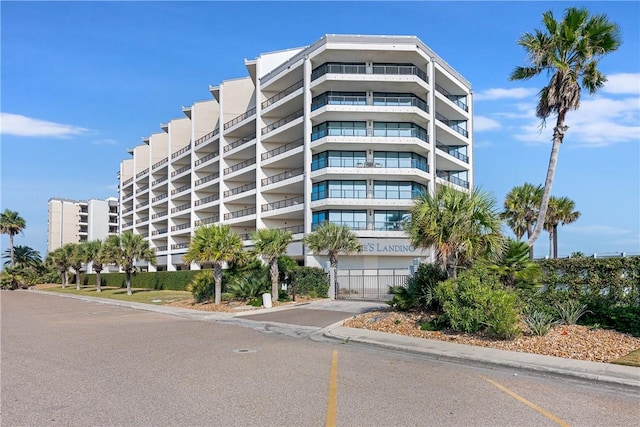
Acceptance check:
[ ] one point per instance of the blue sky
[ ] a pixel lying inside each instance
(81, 82)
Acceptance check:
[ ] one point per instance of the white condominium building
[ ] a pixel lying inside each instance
(347, 130)
(74, 221)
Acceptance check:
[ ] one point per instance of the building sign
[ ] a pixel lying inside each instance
(389, 247)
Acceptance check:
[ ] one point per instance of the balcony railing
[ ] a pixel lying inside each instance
(159, 180)
(353, 225)
(283, 149)
(388, 225)
(282, 204)
(240, 213)
(240, 165)
(179, 171)
(180, 227)
(241, 189)
(160, 231)
(127, 210)
(338, 194)
(127, 182)
(335, 68)
(143, 219)
(326, 99)
(282, 122)
(453, 124)
(208, 220)
(282, 176)
(207, 157)
(240, 118)
(127, 224)
(144, 172)
(181, 208)
(160, 163)
(390, 69)
(456, 99)
(239, 142)
(401, 101)
(452, 151)
(207, 178)
(127, 195)
(145, 235)
(160, 197)
(207, 137)
(180, 189)
(295, 229)
(144, 187)
(402, 133)
(277, 97)
(207, 199)
(161, 248)
(321, 132)
(400, 70)
(142, 204)
(159, 214)
(181, 151)
(395, 194)
(179, 245)
(446, 175)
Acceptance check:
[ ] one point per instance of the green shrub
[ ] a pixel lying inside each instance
(539, 322)
(570, 311)
(621, 318)
(419, 290)
(476, 301)
(311, 281)
(202, 286)
(249, 287)
(160, 280)
(283, 295)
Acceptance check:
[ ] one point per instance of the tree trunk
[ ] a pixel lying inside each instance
(98, 283)
(217, 278)
(274, 279)
(77, 280)
(551, 243)
(558, 136)
(64, 279)
(333, 262)
(529, 232)
(11, 247)
(128, 277)
(555, 241)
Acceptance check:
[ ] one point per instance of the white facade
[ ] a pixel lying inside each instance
(346, 130)
(74, 221)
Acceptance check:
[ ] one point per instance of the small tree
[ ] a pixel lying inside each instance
(76, 261)
(61, 260)
(125, 251)
(94, 253)
(560, 211)
(271, 244)
(11, 223)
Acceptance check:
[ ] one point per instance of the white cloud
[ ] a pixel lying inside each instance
(104, 142)
(482, 123)
(499, 93)
(600, 230)
(18, 125)
(622, 83)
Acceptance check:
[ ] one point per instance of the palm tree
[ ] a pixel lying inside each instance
(11, 223)
(560, 211)
(335, 239)
(125, 251)
(521, 206)
(461, 226)
(76, 261)
(514, 266)
(61, 260)
(24, 257)
(271, 244)
(568, 51)
(94, 253)
(217, 244)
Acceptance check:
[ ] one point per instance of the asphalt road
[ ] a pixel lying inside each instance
(78, 363)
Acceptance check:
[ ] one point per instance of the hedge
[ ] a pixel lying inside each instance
(163, 280)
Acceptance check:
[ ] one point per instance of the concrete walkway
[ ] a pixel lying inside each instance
(322, 320)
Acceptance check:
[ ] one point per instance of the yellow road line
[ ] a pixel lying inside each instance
(529, 404)
(332, 404)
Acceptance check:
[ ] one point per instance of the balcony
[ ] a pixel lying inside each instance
(160, 231)
(409, 132)
(338, 194)
(159, 180)
(353, 225)
(144, 187)
(181, 151)
(127, 182)
(378, 100)
(180, 227)
(282, 176)
(207, 157)
(207, 178)
(448, 176)
(327, 99)
(452, 151)
(207, 199)
(240, 118)
(207, 137)
(180, 189)
(277, 97)
(283, 149)
(239, 142)
(459, 100)
(160, 197)
(160, 163)
(337, 129)
(294, 229)
(282, 122)
(241, 189)
(181, 208)
(239, 166)
(141, 220)
(127, 195)
(127, 210)
(453, 124)
(240, 213)
(179, 245)
(337, 68)
(282, 204)
(384, 69)
(179, 171)
(161, 248)
(209, 220)
(142, 204)
(400, 101)
(143, 173)
(159, 214)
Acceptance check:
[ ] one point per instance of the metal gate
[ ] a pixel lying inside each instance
(369, 284)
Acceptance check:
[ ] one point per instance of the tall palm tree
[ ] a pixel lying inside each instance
(521, 206)
(569, 51)
(461, 226)
(217, 244)
(11, 223)
(61, 260)
(76, 260)
(24, 257)
(125, 251)
(94, 253)
(271, 244)
(561, 210)
(335, 239)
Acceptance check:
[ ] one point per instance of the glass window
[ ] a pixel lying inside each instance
(389, 220)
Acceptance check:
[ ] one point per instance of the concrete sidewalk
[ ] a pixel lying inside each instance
(278, 320)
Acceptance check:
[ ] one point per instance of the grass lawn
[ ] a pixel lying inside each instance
(146, 296)
(631, 359)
